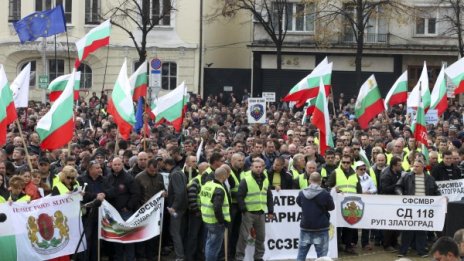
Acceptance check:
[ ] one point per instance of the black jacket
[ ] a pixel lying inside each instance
(218, 202)
(388, 180)
(442, 172)
(192, 195)
(407, 185)
(286, 179)
(135, 170)
(243, 190)
(94, 187)
(123, 191)
(177, 192)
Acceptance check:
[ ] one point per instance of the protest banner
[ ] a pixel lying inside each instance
(283, 231)
(453, 189)
(256, 110)
(43, 229)
(144, 224)
(390, 212)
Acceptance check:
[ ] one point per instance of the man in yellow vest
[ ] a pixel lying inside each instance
(255, 200)
(298, 165)
(302, 181)
(236, 164)
(16, 188)
(344, 179)
(215, 213)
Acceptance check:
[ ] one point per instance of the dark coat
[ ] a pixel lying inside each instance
(407, 185)
(315, 203)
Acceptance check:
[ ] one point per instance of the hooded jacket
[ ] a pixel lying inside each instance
(315, 203)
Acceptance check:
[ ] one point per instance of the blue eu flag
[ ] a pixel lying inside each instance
(139, 115)
(41, 24)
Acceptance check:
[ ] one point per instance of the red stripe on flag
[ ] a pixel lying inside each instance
(371, 112)
(442, 105)
(11, 114)
(300, 97)
(460, 88)
(319, 121)
(124, 127)
(54, 95)
(60, 137)
(420, 133)
(398, 98)
(140, 91)
(92, 48)
(3, 128)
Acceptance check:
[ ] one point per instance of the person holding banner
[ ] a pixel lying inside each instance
(416, 183)
(124, 195)
(66, 181)
(254, 199)
(315, 203)
(215, 212)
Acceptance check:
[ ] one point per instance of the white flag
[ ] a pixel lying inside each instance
(20, 87)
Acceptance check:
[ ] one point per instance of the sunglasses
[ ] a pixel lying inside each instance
(346, 162)
(362, 169)
(70, 178)
(356, 149)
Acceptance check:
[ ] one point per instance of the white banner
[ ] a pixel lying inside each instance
(283, 231)
(391, 212)
(42, 229)
(453, 189)
(256, 110)
(142, 225)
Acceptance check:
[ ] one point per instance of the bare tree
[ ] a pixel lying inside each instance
(454, 20)
(355, 16)
(270, 14)
(141, 15)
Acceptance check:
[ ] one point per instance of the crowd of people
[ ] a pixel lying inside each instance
(222, 172)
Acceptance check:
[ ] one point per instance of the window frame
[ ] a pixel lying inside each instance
(295, 15)
(12, 16)
(67, 7)
(160, 22)
(91, 12)
(426, 16)
(169, 76)
(85, 74)
(55, 73)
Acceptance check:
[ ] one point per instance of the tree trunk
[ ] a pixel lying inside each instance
(279, 56)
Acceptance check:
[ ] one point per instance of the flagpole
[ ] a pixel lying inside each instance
(116, 146)
(24, 144)
(161, 233)
(103, 86)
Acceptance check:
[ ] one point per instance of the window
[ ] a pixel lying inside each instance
(49, 4)
(376, 29)
(55, 68)
(426, 26)
(414, 73)
(86, 76)
(161, 12)
(33, 72)
(14, 11)
(169, 76)
(299, 17)
(426, 22)
(92, 11)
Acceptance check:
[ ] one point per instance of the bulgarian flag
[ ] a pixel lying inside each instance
(456, 73)
(439, 100)
(120, 104)
(321, 120)
(138, 81)
(171, 107)
(57, 86)
(420, 130)
(308, 109)
(308, 87)
(56, 128)
(92, 41)
(398, 92)
(3, 114)
(423, 85)
(6, 98)
(369, 102)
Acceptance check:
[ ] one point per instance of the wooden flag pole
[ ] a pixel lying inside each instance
(24, 144)
(116, 146)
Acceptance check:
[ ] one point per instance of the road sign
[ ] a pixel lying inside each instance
(155, 63)
(43, 81)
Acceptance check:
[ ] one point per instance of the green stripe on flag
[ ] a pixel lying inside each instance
(61, 116)
(172, 113)
(8, 248)
(121, 103)
(372, 96)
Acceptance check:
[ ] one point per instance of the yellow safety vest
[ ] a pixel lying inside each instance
(347, 185)
(207, 208)
(323, 173)
(248, 174)
(25, 198)
(197, 179)
(2, 200)
(62, 188)
(302, 181)
(373, 176)
(234, 190)
(295, 173)
(256, 199)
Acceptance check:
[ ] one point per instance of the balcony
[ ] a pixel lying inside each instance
(369, 38)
